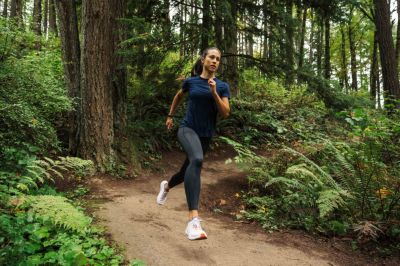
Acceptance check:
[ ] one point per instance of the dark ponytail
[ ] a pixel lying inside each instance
(198, 66)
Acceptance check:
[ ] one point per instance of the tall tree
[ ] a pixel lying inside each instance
(69, 35)
(398, 34)
(230, 37)
(37, 17)
(374, 69)
(289, 42)
(16, 10)
(206, 26)
(99, 68)
(344, 80)
(5, 8)
(302, 36)
(327, 68)
(387, 52)
(45, 16)
(353, 55)
(52, 18)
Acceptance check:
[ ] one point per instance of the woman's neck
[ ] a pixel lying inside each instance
(207, 75)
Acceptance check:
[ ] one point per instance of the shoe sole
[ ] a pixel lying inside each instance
(201, 237)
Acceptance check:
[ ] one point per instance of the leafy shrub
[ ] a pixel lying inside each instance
(32, 96)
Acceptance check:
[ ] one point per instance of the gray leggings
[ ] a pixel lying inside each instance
(195, 148)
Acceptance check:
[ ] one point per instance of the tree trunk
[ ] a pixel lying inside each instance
(119, 84)
(37, 17)
(319, 45)
(13, 8)
(387, 51)
(398, 34)
(311, 55)
(69, 35)
(166, 22)
(265, 27)
(327, 47)
(52, 18)
(206, 27)
(16, 11)
(5, 8)
(290, 43)
(101, 94)
(219, 7)
(353, 59)
(344, 80)
(302, 37)
(45, 16)
(230, 27)
(374, 70)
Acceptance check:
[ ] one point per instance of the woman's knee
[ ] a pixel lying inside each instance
(197, 161)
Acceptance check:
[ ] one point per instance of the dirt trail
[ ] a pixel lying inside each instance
(155, 233)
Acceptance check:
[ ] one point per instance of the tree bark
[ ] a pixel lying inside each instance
(16, 11)
(302, 37)
(5, 8)
(69, 35)
(37, 17)
(230, 27)
(102, 96)
(387, 52)
(374, 70)
(344, 80)
(265, 27)
(218, 26)
(290, 43)
(166, 22)
(13, 8)
(52, 18)
(327, 47)
(206, 27)
(311, 55)
(353, 59)
(398, 35)
(319, 45)
(45, 16)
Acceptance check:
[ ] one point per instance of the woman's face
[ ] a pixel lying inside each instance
(211, 61)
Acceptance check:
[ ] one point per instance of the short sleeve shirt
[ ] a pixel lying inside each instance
(201, 113)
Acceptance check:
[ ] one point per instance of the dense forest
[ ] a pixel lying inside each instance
(85, 88)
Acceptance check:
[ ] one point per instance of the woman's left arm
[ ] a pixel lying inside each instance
(222, 103)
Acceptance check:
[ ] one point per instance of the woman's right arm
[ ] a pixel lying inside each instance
(177, 100)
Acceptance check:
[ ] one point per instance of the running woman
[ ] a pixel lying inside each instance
(208, 96)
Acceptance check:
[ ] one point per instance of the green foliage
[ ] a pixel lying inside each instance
(330, 187)
(32, 96)
(56, 210)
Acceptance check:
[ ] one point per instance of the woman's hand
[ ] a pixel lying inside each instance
(213, 86)
(169, 123)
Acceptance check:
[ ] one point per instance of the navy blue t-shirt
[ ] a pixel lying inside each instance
(201, 113)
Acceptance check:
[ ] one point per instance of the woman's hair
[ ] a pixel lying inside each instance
(198, 66)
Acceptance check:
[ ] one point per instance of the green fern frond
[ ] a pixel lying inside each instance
(285, 181)
(328, 180)
(58, 211)
(51, 162)
(331, 199)
(301, 171)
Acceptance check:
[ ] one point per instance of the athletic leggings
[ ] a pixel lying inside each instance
(195, 148)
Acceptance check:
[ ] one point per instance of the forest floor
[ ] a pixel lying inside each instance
(155, 234)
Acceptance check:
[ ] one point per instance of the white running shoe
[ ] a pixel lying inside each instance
(194, 230)
(162, 195)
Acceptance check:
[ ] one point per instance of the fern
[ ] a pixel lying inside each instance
(47, 169)
(56, 210)
(327, 178)
(331, 199)
(301, 171)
